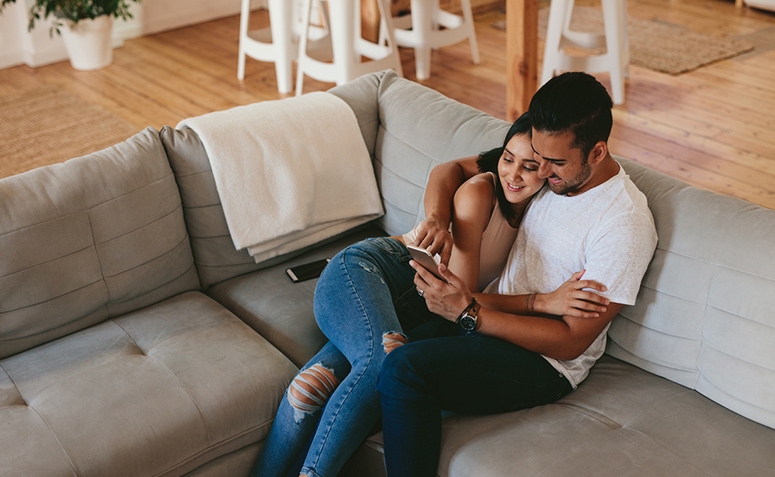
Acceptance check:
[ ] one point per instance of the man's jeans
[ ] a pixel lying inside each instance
(445, 368)
(358, 301)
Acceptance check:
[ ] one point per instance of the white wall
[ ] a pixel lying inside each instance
(37, 48)
(19, 46)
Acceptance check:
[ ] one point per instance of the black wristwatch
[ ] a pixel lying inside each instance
(468, 320)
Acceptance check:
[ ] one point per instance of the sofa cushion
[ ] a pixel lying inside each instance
(92, 238)
(407, 129)
(703, 316)
(418, 129)
(279, 310)
(154, 392)
(215, 256)
(620, 421)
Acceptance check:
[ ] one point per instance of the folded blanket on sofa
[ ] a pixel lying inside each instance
(289, 173)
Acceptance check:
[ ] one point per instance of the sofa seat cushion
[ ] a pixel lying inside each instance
(620, 421)
(279, 310)
(158, 391)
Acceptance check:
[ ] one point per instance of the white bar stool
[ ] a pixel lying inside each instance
(348, 46)
(615, 60)
(421, 30)
(274, 44)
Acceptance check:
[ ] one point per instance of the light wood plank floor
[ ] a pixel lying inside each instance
(712, 127)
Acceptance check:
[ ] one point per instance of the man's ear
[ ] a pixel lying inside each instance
(598, 153)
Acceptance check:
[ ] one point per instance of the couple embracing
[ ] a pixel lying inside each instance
(575, 235)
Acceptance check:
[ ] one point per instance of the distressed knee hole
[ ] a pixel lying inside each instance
(392, 340)
(369, 268)
(310, 389)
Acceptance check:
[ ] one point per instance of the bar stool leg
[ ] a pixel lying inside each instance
(343, 38)
(614, 43)
(422, 25)
(303, 37)
(281, 22)
(243, 33)
(625, 41)
(557, 24)
(468, 17)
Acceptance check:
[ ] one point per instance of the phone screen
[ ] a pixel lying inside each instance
(307, 271)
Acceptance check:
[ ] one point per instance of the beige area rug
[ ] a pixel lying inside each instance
(47, 125)
(655, 44)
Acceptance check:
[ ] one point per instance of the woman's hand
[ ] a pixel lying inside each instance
(572, 300)
(434, 236)
(447, 299)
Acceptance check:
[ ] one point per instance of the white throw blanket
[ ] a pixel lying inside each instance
(289, 173)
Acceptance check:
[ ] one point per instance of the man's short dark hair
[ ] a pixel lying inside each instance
(575, 102)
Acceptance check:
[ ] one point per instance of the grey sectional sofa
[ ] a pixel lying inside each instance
(134, 339)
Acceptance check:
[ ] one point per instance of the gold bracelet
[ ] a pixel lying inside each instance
(531, 302)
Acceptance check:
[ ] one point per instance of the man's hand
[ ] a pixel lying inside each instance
(447, 299)
(570, 299)
(433, 235)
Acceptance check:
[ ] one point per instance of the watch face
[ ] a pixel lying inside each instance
(468, 322)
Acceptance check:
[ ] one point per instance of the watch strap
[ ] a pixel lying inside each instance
(466, 310)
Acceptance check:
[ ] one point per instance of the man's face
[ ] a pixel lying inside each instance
(565, 167)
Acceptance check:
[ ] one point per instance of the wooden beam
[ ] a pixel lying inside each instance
(521, 55)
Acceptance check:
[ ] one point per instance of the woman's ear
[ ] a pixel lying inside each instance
(598, 153)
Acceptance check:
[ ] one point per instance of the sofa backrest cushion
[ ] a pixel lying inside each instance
(407, 129)
(89, 239)
(214, 253)
(418, 129)
(704, 317)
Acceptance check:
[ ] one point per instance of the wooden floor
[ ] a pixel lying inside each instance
(713, 127)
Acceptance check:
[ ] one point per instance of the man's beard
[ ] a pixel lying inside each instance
(566, 187)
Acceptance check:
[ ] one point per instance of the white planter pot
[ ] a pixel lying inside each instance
(88, 43)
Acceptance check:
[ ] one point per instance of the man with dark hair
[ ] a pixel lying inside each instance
(591, 220)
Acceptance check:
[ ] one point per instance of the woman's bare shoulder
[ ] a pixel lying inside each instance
(476, 194)
(481, 183)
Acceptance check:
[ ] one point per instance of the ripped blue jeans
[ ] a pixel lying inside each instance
(358, 301)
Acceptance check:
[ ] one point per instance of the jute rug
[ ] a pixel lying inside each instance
(658, 45)
(47, 125)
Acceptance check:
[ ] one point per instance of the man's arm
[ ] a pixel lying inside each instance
(572, 298)
(444, 180)
(563, 337)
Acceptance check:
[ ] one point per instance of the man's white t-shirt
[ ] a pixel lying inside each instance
(607, 231)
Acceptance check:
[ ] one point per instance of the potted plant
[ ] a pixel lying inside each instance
(86, 27)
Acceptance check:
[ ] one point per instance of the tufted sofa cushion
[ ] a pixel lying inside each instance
(92, 238)
(158, 391)
(702, 318)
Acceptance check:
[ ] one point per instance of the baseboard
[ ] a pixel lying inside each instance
(179, 13)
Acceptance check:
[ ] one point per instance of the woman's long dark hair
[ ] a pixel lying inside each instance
(488, 162)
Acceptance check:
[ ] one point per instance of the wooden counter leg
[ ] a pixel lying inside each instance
(521, 55)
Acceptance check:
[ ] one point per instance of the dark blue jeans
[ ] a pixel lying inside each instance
(443, 368)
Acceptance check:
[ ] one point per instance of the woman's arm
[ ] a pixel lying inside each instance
(473, 206)
(444, 180)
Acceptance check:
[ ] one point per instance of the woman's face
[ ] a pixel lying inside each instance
(518, 170)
